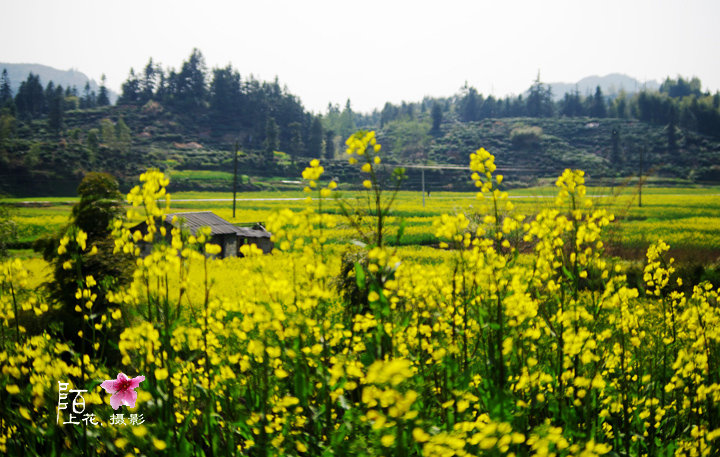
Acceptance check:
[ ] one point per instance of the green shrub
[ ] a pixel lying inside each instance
(526, 136)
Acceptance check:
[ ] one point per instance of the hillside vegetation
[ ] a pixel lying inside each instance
(605, 147)
(126, 140)
(188, 123)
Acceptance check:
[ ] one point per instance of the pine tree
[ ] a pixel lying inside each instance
(49, 95)
(539, 100)
(55, 101)
(672, 130)
(5, 90)
(436, 115)
(329, 144)
(598, 107)
(189, 86)
(571, 104)
(225, 98)
(297, 147)
(407, 110)
(130, 90)
(388, 114)
(102, 98)
(271, 139)
(470, 104)
(30, 99)
(315, 139)
(161, 88)
(89, 100)
(147, 86)
(487, 108)
(619, 107)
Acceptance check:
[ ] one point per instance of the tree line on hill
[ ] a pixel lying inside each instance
(263, 115)
(679, 103)
(219, 107)
(267, 117)
(34, 101)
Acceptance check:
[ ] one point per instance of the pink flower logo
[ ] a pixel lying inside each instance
(122, 390)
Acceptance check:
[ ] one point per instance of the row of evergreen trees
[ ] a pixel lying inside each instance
(678, 102)
(263, 115)
(32, 101)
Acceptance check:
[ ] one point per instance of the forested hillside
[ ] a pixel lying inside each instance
(188, 122)
(78, 83)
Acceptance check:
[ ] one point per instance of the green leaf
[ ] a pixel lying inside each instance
(300, 379)
(401, 231)
(360, 275)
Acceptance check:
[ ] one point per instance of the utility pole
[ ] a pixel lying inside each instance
(235, 177)
(422, 179)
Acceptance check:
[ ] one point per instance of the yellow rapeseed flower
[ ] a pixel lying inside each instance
(387, 440)
(12, 389)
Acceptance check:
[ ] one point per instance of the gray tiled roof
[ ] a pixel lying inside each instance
(218, 225)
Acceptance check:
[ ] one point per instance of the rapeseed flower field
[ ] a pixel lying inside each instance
(514, 335)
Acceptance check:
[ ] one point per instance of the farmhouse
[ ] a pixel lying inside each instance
(228, 236)
(256, 235)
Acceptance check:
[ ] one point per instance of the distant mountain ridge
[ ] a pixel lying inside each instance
(611, 85)
(18, 72)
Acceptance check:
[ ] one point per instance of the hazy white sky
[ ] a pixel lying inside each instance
(374, 51)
